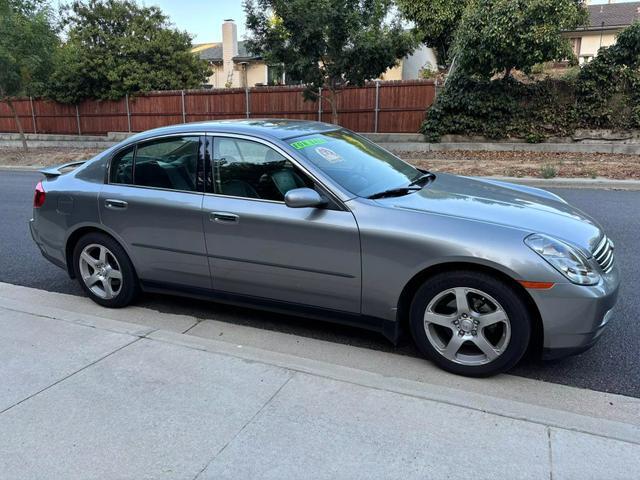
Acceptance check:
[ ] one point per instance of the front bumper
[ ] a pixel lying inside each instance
(574, 316)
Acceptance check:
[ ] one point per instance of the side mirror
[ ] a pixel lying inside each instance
(303, 198)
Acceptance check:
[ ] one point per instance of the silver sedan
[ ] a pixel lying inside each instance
(310, 218)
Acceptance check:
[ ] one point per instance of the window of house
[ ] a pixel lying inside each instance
(243, 168)
(168, 163)
(576, 44)
(275, 75)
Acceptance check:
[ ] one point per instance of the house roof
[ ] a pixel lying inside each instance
(212, 52)
(613, 15)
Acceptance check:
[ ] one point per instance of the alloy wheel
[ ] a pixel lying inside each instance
(100, 271)
(467, 326)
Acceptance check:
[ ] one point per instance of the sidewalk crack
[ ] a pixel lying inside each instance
(247, 423)
(70, 375)
(550, 453)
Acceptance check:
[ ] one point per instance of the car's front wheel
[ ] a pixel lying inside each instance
(104, 270)
(470, 323)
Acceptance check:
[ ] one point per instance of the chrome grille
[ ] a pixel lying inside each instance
(603, 254)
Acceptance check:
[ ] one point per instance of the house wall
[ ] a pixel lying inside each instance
(419, 59)
(592, 42)
(409, 67)
(216, 80)
(256, 73)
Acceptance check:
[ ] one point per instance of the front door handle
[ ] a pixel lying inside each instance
(115, 204)
(224, 217)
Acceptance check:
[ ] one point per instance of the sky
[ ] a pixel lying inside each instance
(203, 18)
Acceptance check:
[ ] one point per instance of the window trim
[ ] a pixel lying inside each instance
(333, 198)
(108, 181)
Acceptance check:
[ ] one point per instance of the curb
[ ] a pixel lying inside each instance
(559, 182)
(618, 148)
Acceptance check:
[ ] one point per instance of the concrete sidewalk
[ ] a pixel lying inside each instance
(87, 392)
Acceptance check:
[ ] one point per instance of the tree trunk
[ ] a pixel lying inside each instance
(334, 107)
(18, 123)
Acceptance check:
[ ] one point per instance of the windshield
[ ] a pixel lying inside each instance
(355, 163)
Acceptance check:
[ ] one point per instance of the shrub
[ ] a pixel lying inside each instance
(548, 171)
(603, 94)
(501, 108)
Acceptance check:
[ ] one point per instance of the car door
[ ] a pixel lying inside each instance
(259, 247)
(153, 202)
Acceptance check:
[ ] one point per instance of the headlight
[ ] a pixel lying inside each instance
(564, 258)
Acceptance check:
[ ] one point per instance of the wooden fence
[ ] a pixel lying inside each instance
(394, 106)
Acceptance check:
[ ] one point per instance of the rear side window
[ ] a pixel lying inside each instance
(122, 167)
(170, 163)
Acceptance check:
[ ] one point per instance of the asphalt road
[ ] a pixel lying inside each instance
(613, 365)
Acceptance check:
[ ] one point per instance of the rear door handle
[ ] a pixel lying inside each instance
(224, 217)
(115, 204)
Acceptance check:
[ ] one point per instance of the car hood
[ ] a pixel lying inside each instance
(526, 208)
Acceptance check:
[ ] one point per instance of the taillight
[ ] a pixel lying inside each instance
(39, 196)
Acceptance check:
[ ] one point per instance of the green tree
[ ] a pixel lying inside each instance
(436, 22)
(498, 36)
(327, 44)
(27, 43)
(117, 47)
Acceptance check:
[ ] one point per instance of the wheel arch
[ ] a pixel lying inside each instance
(77, 234)
(412, 286)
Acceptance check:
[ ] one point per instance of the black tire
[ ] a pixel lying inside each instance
(519, 316)
(128, 286)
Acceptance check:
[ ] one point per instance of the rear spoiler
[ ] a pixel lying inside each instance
(52, 172)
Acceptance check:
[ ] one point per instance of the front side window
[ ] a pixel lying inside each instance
(353, 162)
(243, 168)
(168, 163)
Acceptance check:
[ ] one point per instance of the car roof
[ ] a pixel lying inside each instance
(281, 129)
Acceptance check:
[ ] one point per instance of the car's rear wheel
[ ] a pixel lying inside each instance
(470, 323)
(104, 270)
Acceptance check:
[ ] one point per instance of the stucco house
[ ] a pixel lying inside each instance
(605, 23)
(234, 66)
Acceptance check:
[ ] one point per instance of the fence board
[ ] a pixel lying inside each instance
(7, 121)
(402, 106)
(97, 116)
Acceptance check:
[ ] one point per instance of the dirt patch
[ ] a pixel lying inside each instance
(529, 164)
(45, 157)
(463, 162)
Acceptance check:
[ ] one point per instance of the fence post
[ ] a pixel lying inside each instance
(376, 108)
(78, 119)
(184, 112)
(320, 104)
(128, 113)
(33, 116)
(246, 101)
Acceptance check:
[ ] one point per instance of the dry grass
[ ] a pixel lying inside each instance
(529, 164)
(45, 157)
(509, 164)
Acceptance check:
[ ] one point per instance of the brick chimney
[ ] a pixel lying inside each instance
(229, 50)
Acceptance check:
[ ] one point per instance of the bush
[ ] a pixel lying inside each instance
(501, 108)
(603, 94)
(548, 171)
